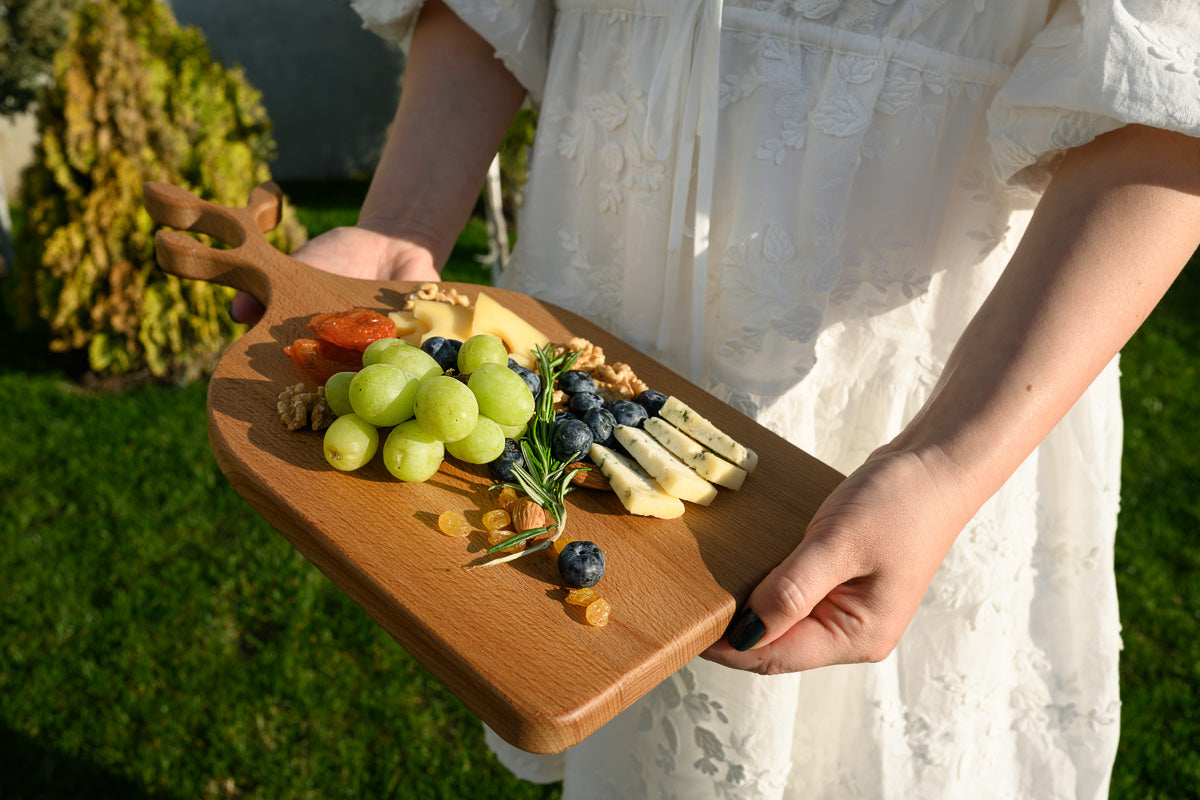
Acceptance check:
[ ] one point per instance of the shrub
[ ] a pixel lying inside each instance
(134, 97)
(31, 31)
(514, 160)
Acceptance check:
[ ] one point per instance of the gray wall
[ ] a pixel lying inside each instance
(330, 86)
(17, 135)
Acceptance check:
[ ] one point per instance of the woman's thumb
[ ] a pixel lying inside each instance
(782, 605)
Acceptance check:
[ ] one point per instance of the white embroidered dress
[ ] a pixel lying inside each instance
(800, 203)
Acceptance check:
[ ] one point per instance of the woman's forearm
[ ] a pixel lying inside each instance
(455, 106)
(1119, 221)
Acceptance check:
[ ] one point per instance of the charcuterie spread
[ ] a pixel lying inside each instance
(443, 378)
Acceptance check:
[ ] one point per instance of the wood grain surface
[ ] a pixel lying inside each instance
(501, 639)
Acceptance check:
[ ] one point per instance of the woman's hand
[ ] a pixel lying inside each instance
(356, 253)
(432, 165)
(1118, 222)
(849, 590)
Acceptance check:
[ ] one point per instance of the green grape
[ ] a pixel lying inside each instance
(412, 358)
(514, 431)
(350, 442)
(482, 348)
(411, 454)
(446, 408)
(337, 392)
(383, 394)
(482, 445)
(502, 394)
(375, 349)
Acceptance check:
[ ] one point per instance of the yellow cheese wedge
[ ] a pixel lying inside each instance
(408, 327)
(443, 319)
(707, 464)
(637, 491)
(687, 420)
(668, 471)
(518, 335)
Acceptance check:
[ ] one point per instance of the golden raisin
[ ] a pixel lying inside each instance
(453, 523)
(506, 497)
(582, 597)
(557, 546)
(498, 535)
(496, 519)
(597, 612)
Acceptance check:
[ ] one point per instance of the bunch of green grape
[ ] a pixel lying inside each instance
(427, 411)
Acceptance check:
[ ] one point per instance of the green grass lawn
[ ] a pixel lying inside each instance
(158, 639)
(1158, 551)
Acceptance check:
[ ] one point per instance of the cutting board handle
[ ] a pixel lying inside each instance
(251, 264)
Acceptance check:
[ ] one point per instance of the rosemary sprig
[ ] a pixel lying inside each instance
(544, 478)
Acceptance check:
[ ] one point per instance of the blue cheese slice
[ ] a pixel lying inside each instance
(668, 471)
(638, 492)
(707, 464)
(707, 434)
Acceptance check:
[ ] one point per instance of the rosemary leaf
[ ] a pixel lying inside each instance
(517, 538)
(544, 478)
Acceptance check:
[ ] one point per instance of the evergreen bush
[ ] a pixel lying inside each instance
(31, 32)
(514, 161)
(134, 97)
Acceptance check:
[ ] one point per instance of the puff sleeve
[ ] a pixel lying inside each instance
(1096, 66)
(519, 30)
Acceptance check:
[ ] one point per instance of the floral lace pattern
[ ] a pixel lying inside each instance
(692, 732)
(869, 157)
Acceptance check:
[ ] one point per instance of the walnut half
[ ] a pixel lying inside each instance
(432, 291)
(301, 406)
(615, 381)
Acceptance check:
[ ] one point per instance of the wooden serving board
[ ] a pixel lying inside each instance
(500, 638)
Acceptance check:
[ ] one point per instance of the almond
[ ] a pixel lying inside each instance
(589, 477)
(527, 515)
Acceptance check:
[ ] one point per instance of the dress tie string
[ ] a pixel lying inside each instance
(687, 72)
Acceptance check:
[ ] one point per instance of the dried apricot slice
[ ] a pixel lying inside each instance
(320, 359)
(352, 329)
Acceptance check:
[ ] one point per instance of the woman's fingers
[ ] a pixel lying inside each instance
(245, 309)
(356, 253)
(850, 588)
(806, 613)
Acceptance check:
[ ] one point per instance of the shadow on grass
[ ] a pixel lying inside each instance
(25, 350)
(30, 770)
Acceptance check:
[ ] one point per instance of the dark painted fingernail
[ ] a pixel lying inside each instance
(745, 629)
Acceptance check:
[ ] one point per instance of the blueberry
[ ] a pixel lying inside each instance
(580, 404)
(627, 412)
(602, 423)
(576, 381)
(562, 416)
(531, 378)
(571, 440)
(510, 456)
(444, 351)
(581, 564)
(651, 400)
